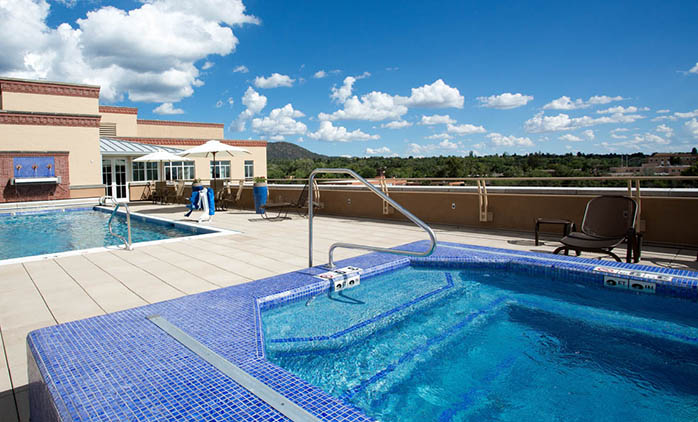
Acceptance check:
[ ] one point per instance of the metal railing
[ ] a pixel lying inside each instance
(103, 201)
(485, 214)
(383, 196)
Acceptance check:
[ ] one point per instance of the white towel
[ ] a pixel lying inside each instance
(203, 203)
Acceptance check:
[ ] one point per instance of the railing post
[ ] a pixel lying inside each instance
(239, 194)
(636, 196)
(384, 189)
(482, 201)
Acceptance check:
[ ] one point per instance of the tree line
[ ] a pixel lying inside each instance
(504, 165)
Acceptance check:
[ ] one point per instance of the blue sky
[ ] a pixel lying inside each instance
(382, 78)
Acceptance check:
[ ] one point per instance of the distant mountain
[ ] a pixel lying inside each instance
(289, 151)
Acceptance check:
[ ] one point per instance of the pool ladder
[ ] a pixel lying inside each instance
(127, 243)
(403, 211)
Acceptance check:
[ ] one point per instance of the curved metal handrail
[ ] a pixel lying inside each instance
(383, 196)
(103, 201)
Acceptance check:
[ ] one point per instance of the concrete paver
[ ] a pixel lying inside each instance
(108, 292)
(148, 287)
(67, 300)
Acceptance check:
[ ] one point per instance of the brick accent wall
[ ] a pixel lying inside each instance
(33, 192)
(48, 119)
(191, 142)
(120, 110)
(48, 88)
(176, 123)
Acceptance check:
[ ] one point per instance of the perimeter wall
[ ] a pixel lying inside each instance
(666, 218)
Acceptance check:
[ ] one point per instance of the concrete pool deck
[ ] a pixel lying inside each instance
(43, 293)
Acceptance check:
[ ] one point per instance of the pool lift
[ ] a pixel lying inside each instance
(103, 201)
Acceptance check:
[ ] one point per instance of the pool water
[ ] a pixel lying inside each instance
(423, 344)
(53, 232)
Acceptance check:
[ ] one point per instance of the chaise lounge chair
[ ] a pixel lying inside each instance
(301, 206)
(608, 221)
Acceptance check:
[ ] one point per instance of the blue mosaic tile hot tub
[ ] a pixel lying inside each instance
(121, 366)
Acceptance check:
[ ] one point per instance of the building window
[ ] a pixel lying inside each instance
(220, 169)
(249, 169)
(179, 170)
(145, 171)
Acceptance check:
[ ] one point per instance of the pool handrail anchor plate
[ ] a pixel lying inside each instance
(386, 198)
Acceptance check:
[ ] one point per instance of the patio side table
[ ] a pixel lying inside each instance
(568, 226)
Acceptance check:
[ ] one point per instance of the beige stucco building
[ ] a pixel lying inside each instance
(57, 142)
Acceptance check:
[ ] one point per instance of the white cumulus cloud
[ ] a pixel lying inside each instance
(396, 124)
(692, 127)
(280, 122)
(147, 62)
(446, 144)
(241, 69)
(437, 119)
(589, 134)
(541, 123)
(274, 81)
(443, 146)
(694, 69)
(566, 103)
(436, 95)
(687, 115)
(465, 129)
(378, 151)
(374, 106)
(603, 99)
(320, 74)
(644, 141)
(254, 102)
(505, 101)
(208, 65)
(167, 108)
(615, 133)
(509, 141)
(439, 136)
(570, 138)
(666, 130)
(619, 109)
(328, 132)
(342, 93)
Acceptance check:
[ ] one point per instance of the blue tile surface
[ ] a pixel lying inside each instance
(121, 366)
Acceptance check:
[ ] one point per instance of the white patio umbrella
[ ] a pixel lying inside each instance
(212, 148)
(160, 156)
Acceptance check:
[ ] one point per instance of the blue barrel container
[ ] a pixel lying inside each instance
(260, 193)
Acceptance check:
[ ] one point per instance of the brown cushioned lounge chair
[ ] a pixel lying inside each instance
(301, 206)
(608, 221)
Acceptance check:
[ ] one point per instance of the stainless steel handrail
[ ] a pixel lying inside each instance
(383, 196)
(102, 201)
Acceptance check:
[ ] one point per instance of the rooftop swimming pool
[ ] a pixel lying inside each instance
(51, 232)
(436, 344)
(469, 333)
